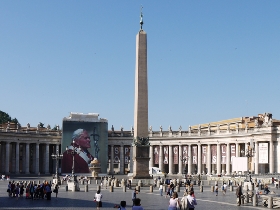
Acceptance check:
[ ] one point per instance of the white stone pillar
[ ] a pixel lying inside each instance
(151, 155)
(218, 158)
(131, 160)
(122, 159)
(170, 161)
(257, 158)
(37, 159)
(271, 157)
(199, 159)
(160, 161)
(180, 162)
(3, 151)
(7, 161)
(112, 160)
(209, 169)
(228, 172)
(27, 158)
(17, 158)
(47, 158)
(237, 153)
(189, 159)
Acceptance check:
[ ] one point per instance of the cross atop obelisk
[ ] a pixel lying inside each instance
(141, 139)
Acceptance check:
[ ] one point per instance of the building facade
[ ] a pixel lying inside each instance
(202, 149)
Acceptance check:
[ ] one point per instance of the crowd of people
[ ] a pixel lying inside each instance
(32, 191)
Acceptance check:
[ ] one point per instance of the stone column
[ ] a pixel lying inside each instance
(271, 157)
(47, 158)
(131, 160)
(170, 161)
(160, 161)
(151, 163)
(27, 158)
(209, 169)
(17, 158)
(237, 153)
(112, 160)
(189, 159)
(257, 158)
(3, 151)
(180, 162)
(228, 160)
(7, 168)
(218, 158)
(122, 159)
(199, 158)
(37, 159)
(13, 169)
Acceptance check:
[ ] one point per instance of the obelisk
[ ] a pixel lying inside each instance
(141, 141)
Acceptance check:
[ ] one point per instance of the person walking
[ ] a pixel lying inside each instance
(190, 201)
(224, 188)
(174, 202)
(56, 190)
(160, 189)
(98, 197)
(216, 189)
(239, 193)
(134, 196)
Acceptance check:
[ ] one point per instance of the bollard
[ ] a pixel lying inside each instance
(111, 188)
(38, 181)
(177, 188)
(230, 188)
(201, 188)
(270, 202)
(96, 181)
(151, 188)
(86, 188)
(98, 187)
(255, 200)
(89, 181)
(138, 188)
(66, 188)
(82, 182)
(247, 197)
(164, 188)
(212, 188)
(124, 188)
(242, 200)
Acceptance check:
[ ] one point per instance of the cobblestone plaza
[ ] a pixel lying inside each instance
(84, 200)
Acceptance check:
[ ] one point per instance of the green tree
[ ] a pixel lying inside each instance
(4, 118)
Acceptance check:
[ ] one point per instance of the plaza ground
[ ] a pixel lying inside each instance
(69, 200)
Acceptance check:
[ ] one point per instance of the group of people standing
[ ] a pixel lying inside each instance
(32, 191)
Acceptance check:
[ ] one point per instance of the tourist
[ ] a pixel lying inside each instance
(21, 190)
(122, 205)
(81, 141)
(224, 188)
(174, 202)
(134, 196)
(160, 189)
(9, 190)
(16, 190)
(137, 205)
(190, 199)
(238, 193)
(56, 190)
(97, 198)
(266, 190)
(216, 189)
(48, 190)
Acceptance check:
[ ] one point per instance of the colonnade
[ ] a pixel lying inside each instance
(23, 157)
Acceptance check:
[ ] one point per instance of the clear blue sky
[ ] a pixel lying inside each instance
(207, 60)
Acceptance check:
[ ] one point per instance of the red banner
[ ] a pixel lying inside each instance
(175, 154)
(224, 154)
(203, 154)
(116, 154)
(232, 152)
(126, 154)
(156, 154)
(185, 152)
(214, 154)
(165, 154)
(194, 154)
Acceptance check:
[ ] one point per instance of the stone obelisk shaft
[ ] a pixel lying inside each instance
(141, 87)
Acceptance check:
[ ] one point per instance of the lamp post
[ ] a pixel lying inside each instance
(57, 157)
(73, 153)
(184, 160)
(249, 153)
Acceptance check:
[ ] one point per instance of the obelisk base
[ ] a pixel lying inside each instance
(141, 163)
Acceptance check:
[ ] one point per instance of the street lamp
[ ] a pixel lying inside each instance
(249, 153)
(184, 160)
(57, 157)
(73, 153)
